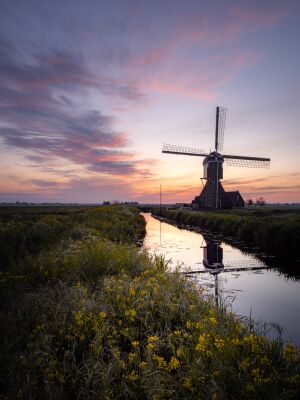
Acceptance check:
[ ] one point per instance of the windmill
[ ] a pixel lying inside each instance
(213, 194)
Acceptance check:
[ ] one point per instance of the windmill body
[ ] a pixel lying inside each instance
(213, 195)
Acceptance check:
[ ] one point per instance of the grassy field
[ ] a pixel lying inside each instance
(87, 314)
(276, 231)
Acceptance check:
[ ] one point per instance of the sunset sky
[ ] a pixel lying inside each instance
(89, 91)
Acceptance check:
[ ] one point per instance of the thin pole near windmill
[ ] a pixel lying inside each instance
(160, 197)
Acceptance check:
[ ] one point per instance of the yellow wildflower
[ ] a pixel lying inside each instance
(135, 343)
(102, 314)
(152, 339)
(180, 352)
(40, 328)
(130, 313)
(117, 353)
(219, 343)
(199, 325)
(249, 388)
(161, 362)
(173, 364)
(79, 317)
(189, 324)
(257, 375)
(133, 376)
(187, 383)
(290, 352)
(155, 290)
(264, 361)
(131, 356)
(202, 343)
(252, 340)
(244, 364)
(236, 341)
(238, 326)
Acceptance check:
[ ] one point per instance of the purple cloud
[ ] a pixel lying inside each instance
(39, 116)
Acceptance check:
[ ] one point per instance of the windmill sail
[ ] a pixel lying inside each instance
(220, 128)
(188, 151)
(244, 161)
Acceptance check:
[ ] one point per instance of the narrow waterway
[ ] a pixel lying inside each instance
(243, 281)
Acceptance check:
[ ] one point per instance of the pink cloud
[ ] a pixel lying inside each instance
(179, 87)
(256, 14)
(163, 68)
(203, 77)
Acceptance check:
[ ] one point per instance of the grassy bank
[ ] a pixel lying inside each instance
(87, 315)
(276, 232)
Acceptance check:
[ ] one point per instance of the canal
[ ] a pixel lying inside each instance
(243, 281)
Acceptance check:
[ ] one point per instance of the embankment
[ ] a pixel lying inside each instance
(275, 234)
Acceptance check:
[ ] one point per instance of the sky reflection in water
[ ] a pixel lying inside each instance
(266, 294)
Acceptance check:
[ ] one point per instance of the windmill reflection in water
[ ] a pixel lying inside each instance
(213, 262)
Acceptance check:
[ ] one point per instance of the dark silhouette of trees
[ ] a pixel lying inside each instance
(260, 201)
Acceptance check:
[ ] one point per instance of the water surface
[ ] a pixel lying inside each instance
(266, 294)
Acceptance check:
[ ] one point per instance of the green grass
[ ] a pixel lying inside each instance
(88, 315)
(276, 232)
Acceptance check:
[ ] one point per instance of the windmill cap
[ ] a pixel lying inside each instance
(212, 157)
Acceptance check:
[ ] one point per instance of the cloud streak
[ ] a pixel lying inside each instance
(163, 68)
(39, 118)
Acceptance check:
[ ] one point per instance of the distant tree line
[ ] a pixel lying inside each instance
(260, 201)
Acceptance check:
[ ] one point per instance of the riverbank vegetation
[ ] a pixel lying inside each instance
(87, 314)
(273, 231)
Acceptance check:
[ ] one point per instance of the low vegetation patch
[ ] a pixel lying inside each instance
(92, 316)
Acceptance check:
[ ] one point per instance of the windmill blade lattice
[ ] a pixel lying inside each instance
(247, 264)
(190, 151)
(233, 266)
(221, 127)
(249, 163)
